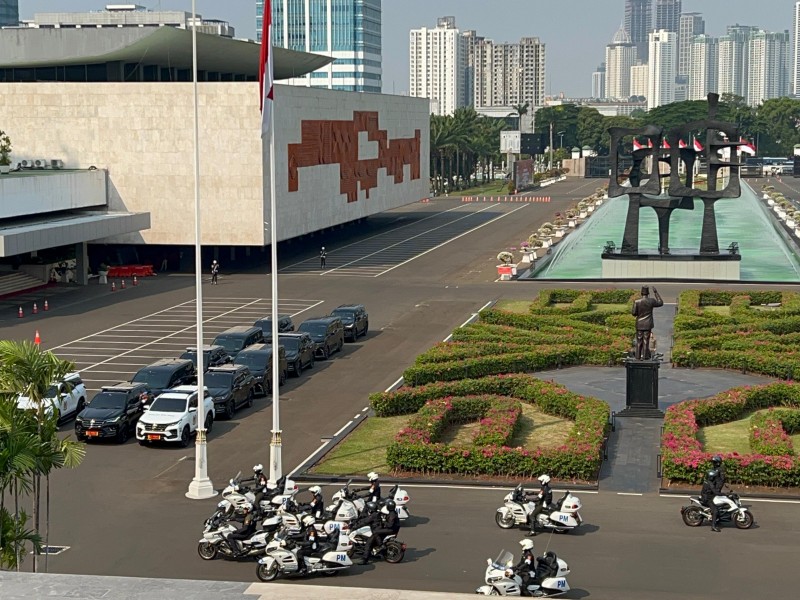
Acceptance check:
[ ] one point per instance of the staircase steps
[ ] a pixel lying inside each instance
(16, 282)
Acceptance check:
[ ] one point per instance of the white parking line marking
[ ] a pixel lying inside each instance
(628, 494)
(453, 239)
(345, 426)
(391, 387)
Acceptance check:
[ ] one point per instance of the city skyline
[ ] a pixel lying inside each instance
(575, 45)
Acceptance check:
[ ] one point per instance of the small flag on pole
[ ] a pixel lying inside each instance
(636, 145)
(681, 144)
(649, 143)
(746, 147)
(665, 144)
(698, 147)
(265, 69)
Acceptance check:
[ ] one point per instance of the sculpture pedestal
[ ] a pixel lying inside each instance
(680, 264)
(641, 389)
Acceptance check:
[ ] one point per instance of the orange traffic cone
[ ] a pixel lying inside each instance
(46, 307)
(123, 285)
(35, 309)
(135, 281)
(19, 314)
(37, 338)
(113, 287)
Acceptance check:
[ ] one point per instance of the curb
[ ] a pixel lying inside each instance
(755, 495)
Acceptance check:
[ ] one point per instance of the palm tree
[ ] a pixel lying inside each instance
(520, 110)
(26, 370)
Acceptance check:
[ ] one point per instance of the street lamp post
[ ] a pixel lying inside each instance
(561, 139)
(200, 487)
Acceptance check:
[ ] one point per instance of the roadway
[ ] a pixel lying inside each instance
(421, 271)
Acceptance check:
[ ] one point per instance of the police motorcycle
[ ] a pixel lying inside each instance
(281, 557)
(390, 549)
(346, 506)
(550, 577)
(563, 517)
(695, 513)
(238, 494)
(218, 527)
(401, 500)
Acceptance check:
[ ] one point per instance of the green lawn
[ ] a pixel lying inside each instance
(498, 187)
(515, 306)
(720, 310)
(732, 436)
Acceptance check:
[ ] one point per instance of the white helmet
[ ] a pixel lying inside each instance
(308, 520)
(258, 468)
(544, 479)
(526, 545)
(372, 476)
(315, 489)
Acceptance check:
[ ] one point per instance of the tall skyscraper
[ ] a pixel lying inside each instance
(599, 82)
(347, 30)
(438, 66)
(691, 24)
(638, 23)
(668, 15)
(640, 73)
(508, 74)
(703, 67)
(621, 55)
(663, 68)
(473, 39)
(9, 12)
(769, 66)
(796, 50)
(734, 56)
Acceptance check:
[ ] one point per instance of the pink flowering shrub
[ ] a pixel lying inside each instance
(684, 459)
(767, 435)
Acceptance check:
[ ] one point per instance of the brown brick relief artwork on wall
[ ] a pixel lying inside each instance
(331, 142)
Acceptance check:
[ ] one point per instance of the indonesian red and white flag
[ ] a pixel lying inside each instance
(265, 69)
(665, 144)
(649, 143)
(636, 145)
(746, 147)
(681, 144)
(698, 147)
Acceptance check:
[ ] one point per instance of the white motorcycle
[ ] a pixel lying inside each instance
(281, 559)
(550, 579)
(346, 505)
(217, 530)
(238, 495)
(390, 549)
(564, 516)
(401, 500)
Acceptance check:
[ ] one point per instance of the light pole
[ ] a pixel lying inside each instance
(200, 487)
(561, 139)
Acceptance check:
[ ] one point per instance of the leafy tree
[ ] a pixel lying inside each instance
(616, 121)
(777, 123)
(734, 109)
(589, 128)
(564, 118)
(677, 113)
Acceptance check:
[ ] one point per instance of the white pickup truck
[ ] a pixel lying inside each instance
(172, 416)
(68, 397)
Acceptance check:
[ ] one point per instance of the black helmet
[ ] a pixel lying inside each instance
(390, 505)
(371, 507)
(712, 474)
(716, 460)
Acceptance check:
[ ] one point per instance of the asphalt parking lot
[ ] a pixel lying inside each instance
(117, 353)
(123, 511)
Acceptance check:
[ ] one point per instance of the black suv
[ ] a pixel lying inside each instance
(265, 323)
(299, 351)
(355, 319)
(327, 333)
(113, 412)
(236, 339)
(258, 358)
(213, 356)
(167, 373)
(231, 386)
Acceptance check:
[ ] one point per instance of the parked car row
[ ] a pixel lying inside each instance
(160, 402)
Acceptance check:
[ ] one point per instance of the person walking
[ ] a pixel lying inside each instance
(214, 272)
(322, 256)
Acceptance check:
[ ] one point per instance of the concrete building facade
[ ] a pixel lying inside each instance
(640, 73)
(508, 74)
(638, 22)
(348, 31)
(438, 66)
(769, 72)
(691, 24)
(734, 59)
(663, 68)
(599, 82)
(9, 12)
(621, 55)
(473, 39)
(796, 50)
(703, 67)
(667, 15)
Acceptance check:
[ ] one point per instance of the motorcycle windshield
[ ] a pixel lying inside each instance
(504, 560)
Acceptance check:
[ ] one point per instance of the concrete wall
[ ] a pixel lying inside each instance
(143, 134)
(34, 192)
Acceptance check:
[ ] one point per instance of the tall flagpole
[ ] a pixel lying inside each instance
(200, 487)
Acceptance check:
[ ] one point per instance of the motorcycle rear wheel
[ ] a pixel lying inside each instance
(744, 521)
(692, 516)
(394, 552)
(207, 551)
(330, 573)
(265, 573)
(504, 522)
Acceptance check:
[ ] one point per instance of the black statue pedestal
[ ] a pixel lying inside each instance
(641, 389)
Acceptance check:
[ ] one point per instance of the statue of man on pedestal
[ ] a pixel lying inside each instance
(643, 311)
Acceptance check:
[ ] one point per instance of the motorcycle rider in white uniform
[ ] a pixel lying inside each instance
(544, 499)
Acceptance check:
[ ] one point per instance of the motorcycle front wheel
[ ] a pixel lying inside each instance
(743, 520)
(692, 516)
(504, 522)
(207, 551)
(267, 573)
(394, 552)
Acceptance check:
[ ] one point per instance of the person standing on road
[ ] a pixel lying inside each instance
(214, 272)
(322, 256)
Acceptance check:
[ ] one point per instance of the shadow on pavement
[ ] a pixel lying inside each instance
(414, 520)
(413, 555)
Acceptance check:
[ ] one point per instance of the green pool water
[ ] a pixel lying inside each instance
(746, 220)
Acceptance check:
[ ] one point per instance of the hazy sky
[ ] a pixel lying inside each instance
(575, 31)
